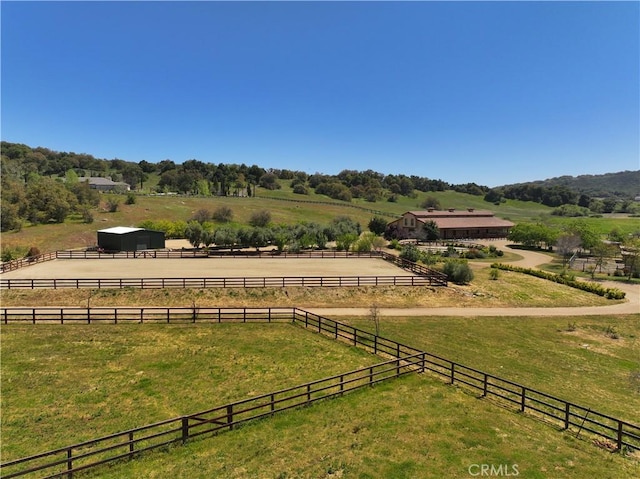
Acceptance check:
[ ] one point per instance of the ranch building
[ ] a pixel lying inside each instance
(122, 238)
(452, 223)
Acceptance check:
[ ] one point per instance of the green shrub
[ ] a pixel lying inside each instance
(410, 252)
(458, 271)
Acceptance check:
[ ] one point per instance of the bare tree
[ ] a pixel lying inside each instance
(374, 315)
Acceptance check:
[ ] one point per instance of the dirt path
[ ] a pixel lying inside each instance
(531, 259)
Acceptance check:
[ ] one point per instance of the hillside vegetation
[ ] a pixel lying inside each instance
(41, 186)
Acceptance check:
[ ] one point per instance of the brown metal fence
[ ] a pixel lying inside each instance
(618, 434)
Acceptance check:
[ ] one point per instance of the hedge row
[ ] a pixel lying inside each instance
(610, 293)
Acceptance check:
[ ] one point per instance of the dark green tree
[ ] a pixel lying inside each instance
(377, 225)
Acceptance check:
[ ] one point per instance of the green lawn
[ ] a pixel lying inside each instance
(67, 384)
(411, 428)
(63, 384)
(573, 358)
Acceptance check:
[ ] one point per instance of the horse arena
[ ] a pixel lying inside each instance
(238, 267)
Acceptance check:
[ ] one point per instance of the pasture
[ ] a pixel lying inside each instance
(96, 379)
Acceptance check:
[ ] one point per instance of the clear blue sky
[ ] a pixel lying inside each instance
(486, 92)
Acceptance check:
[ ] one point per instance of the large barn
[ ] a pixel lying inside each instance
(122, 238)
(453, 224)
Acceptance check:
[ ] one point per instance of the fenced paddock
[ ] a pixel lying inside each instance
(614, 433)
(339, 270)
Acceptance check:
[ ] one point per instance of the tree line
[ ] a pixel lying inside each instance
(204, 230)
(39, 185)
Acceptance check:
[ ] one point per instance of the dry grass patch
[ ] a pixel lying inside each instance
(510, 290)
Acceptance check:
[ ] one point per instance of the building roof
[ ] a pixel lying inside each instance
(460, 219)
(472, 223)
(470, 212)
(120, 230)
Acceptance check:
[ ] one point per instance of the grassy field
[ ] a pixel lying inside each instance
(66, 384)
(412, 428)
(91, 380)
(75, 234)
(588, 360)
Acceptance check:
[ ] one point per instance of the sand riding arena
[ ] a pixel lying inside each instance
(220, 271)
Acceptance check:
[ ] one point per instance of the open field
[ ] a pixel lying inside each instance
(62, 385)
(411, 428)
(96, 379)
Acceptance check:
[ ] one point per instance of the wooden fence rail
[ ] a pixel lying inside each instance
(239, 282)
(612, 432)
(78, 457)
(150, 314)
(618, 434)
(436, 278)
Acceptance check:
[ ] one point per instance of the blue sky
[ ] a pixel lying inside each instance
(486, 92)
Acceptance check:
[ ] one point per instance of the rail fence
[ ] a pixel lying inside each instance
(604, 429)
(241, 282)
(616, 433)
(128, 444)
(425, 276)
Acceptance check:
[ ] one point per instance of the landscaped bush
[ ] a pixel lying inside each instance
(458, 271)
(411, 253)
(568, 280)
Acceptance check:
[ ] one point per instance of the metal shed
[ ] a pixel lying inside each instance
(122, 238)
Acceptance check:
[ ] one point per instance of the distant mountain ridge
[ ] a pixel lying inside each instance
(621, 184)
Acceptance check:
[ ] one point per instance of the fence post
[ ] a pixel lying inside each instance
(230, 416)
(69, 463)
(319, 324)
(424, 359)
(355, 336)
(375, 344)
(371, 375)
(341, 384)
(484, 385)
(566, 415)
(619, 439)
(522, 399)
(185, 429)
(308, 393)
(273, 403)
(115, 315)
(453, 372)
(33, 315)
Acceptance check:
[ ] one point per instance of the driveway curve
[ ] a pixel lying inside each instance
(530, 259)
